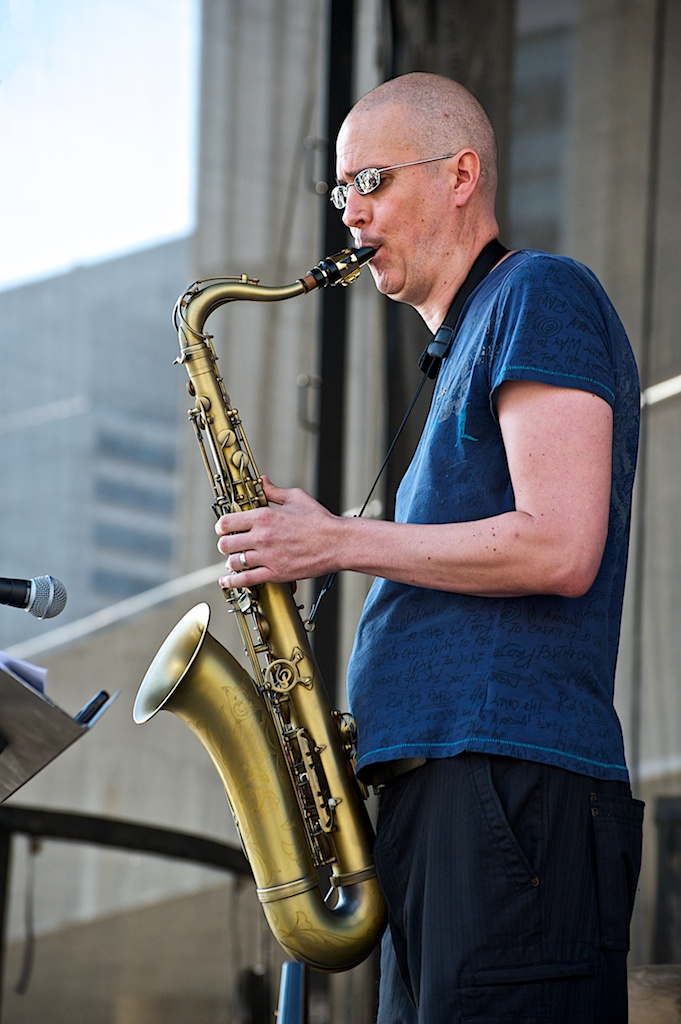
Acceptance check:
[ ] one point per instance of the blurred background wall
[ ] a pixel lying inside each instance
(152, 144)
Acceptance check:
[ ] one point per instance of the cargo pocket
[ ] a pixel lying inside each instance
(526, 992)
(618, 836)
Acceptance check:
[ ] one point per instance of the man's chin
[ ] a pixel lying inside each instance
(381, 279)
(384, 285)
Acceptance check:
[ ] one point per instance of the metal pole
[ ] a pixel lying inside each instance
(5, 864)
(292, 1005)
(333, 333)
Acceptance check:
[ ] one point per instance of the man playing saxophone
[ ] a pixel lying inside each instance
(508, 843)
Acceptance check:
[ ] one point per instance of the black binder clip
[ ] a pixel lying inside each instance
(438, 349)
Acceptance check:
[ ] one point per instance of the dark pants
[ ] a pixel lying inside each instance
(510, 887)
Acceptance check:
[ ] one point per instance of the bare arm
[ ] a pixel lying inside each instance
(558, 445)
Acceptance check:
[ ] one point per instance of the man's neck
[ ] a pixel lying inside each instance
(434, 310)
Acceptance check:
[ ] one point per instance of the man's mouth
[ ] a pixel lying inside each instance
(370, 245)
(361, 242)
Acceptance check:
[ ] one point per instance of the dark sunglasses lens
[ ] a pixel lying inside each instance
(339, 196)
(368, 180)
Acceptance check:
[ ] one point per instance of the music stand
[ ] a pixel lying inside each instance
(34, 730)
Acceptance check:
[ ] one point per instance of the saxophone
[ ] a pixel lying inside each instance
(285, 758)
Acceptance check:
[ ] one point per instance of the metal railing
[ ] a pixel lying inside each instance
(111, 832)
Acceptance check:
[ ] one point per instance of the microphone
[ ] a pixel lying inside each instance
(43, 596)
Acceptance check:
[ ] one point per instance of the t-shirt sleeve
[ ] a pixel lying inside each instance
(551, 326)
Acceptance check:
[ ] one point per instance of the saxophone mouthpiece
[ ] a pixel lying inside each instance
(341, 268)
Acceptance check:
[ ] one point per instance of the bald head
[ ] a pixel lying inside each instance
(440, 116)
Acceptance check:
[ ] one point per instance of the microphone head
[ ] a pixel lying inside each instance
(48, 597)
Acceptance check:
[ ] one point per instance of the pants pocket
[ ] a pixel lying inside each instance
(559, 988)
(618, 837)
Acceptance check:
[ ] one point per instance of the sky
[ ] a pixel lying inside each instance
(98, 104)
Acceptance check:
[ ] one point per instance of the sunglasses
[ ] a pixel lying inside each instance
(369, 179)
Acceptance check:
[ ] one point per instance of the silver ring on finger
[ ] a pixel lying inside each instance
(243, 562)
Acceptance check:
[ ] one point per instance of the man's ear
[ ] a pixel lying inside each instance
(465, 171)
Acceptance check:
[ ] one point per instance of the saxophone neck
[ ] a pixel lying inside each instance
(194, 307)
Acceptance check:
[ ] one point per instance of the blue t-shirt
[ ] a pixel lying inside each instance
(434, 673)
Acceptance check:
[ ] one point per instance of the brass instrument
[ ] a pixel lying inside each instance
(284, 757)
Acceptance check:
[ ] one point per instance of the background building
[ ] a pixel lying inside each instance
(103, 485)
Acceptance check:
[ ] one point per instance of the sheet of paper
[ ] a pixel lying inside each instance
(24, 671)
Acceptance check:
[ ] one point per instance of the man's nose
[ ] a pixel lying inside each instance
(356, 210)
